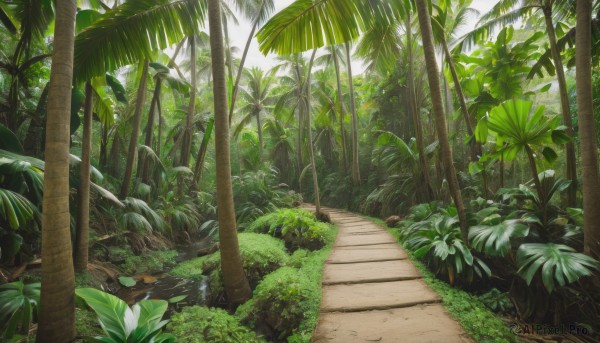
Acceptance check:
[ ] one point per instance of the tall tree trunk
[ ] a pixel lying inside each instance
(234, 279)
(160, 125)
(340, 104)
(429, 195)
(144, 170)
(83, 193)
(440, 116)
(311, 151)
(228, 56)
(587, 130)
(135, 131)
(474, 147)
(260, 137)
(186, 146)
(355, 165)
(57, 311)
(564, 104)
(299, 154)
(199, 167)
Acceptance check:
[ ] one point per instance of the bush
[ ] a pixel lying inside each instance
(197, 324)
(297, 227)
(261, 255)
(282, 301)
(151, 261)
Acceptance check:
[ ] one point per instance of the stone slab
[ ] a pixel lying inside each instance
(364, 239)
(367, 253)
(417, 324)
(376, 296)
(369, 272)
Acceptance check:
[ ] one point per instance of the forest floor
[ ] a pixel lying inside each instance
(373, 293)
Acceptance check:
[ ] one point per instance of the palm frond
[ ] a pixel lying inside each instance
(131, 31)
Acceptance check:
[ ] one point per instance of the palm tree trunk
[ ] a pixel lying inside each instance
(429, 195)
(103, 147)
(355, 165)
(311, 151)
(186, 146)
(57, 311)
(587, 131)
(135, 131)
(83, 193)
(440, 117)
(228, 56)
(198, 168)
(475, 147)
(336, 64)
(299, 154)
(145, 164)
(235, 281)
(564, 103)
(160, 124)
(260, 137)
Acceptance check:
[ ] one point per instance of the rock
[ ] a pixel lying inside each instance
(392, 221)
(208, 250)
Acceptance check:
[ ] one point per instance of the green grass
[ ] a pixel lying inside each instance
(478, 321)
(151, 261)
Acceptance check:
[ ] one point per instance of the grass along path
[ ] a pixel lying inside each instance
(373, 293)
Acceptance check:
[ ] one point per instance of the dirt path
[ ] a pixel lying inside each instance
(373, 293)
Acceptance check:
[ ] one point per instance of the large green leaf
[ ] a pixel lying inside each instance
(9, 141)
(494, 240)
(557, 264)
(17, 304)
(109, 309)
(15, 209)
(131, 32)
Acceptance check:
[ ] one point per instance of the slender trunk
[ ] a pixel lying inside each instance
(144, 169)
(135, 131)
(340, 104)
(103, 147)
(355, 165)
(587, 131)
(475, 147)
(238, 76)
(228, 56)
(235, 281)
(260, 137)
(114, 165)
(311, 151)
(57, 308)
(440, 117)
(199, 167)
(564, 104)
(536, 181)
(172, 61)
(186, 146)
(83, 193)
(429, 195)
(160, 125)
(299, 154)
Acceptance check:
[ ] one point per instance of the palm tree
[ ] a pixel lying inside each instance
(258, 99)
(257, 11)
(355, 167)
(506, 12)
(311, 152)
(135, 130)
(449, 18)
(440, 116)
(585, 113)
(57, 313)
(186, 146)
(235, 281)
(83, 193)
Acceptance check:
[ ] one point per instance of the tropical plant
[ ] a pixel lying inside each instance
(19, 307)
(139, 324)
(438, 239)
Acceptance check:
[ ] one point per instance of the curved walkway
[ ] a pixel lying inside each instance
(373, 293)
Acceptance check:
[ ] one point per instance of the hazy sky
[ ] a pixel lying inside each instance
(239, 34)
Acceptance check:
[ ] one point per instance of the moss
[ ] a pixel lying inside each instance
(289, 299)
(261, 255)
(86, 323)
(297, 227)
(200, 324)
(85, 279)
(151, 261)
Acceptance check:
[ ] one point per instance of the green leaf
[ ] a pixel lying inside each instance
(177, 299)
(77, 98)
(127, 281)
(9, 141)
(109, 309)
(549, 154)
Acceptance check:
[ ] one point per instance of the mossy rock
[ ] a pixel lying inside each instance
(261, 255)
(197, 324)
(297, 227)
(286, 302)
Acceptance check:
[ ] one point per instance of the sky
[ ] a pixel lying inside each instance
(239, 35)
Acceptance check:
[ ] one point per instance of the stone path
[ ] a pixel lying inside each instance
(373, 293)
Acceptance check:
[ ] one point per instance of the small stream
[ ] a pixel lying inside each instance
(164, 286)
